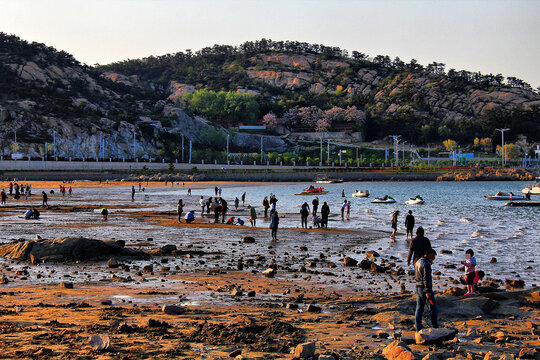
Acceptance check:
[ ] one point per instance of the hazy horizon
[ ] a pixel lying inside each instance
(490, 36)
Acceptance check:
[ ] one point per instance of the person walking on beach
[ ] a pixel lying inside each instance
(348, 209)
(304, 213)
(253, 215)
(273, 203)
(343, 209)
(424, 290)
(216, 208)
(325, 211)
(224, 208)
(44, 199)
(343, 193)
(266, 206)
(132, 193)
(274, 223)
(315, 204)
(105, 214)
(394, 224)
(180, 210)
(189, 191)
(409, 224)
(418, 247)
(202, 203)
(10, 189)
(3, 197)
(470, 271)
(244, 199)
(219, 192)
(70, 190)
(236, 203)
(215, 190)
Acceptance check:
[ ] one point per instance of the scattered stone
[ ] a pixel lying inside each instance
(303, 248)
(173, 309)
(148, 268)
(493, 260)
(313, 308)
(326, 357)
(372, 253)
(434, 336)
(269, 272)
(112, 263)
(251, 293)
(4, 280)
(153, 323)
(106, 302)
(382, 334)
(348, 261)
(366, 264)
(529, 353)
(291, 306)
(398, 350)
(66, 285)
(454, 291)
(237, 292)
(99, 342)
(305, 350)
(235, 353)
(248, 239)
(519, 284)
(448, 252)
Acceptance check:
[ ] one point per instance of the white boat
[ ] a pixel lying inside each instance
(323, 179)
(415, 201)
(504, 196)
(384, 200)
(534, 189)
(360, 193)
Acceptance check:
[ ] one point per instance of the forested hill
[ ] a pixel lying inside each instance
(424, 103)
(47, 96)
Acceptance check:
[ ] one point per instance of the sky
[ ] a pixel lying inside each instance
(491, 36)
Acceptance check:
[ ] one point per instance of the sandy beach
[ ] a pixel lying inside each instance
(220, 303)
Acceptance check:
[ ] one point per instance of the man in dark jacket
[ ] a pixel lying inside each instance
(325, 211)
(419, 246)
(409, 224)
(424, 290)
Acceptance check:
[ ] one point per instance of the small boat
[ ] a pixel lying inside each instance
(417, 200)
(534, 189)
(504, 196)
(323, 179)
(385, 200)
(360, 193)
(312, 190)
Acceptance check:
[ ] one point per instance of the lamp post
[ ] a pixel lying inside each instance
(502, 142)
(396, 147)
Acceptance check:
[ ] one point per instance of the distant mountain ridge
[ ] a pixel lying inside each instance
(45, 93)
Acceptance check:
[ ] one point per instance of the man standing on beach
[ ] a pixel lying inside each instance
(325, 211)
(133, 193)
(244, 199)
(274, 223)
(315, 204)
(45, 199)
(424, 290)
(419, 246)
(409, 224)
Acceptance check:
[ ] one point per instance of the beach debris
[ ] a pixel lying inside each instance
(235, 353)
(148, 268)
(519, 284)
(248, 239)
(313, 308)
(348, 261)
(237, 292)
(305, 350)
(398, 350)
(431, 336)
(153, 323)
(100, 342)
(173, 309)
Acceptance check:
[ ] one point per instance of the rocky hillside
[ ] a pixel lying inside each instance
(47, 97)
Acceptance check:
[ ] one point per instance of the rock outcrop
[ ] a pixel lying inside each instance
(68, 249)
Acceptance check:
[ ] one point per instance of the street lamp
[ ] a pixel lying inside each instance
(502, 142)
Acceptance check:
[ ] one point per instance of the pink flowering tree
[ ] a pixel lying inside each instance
(322, 125)
(353, 115)
(270, 120)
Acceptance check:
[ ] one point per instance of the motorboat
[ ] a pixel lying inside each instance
(312, 190)
(505, 196)
(417, 200)
(385, 200)
(323, 179)
(534, 189)
(360, 193)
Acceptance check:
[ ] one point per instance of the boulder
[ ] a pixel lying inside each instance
(113, 263)
(248, 239)
(434, 336)
(173, 309)
(66, 285)
(326, 357)
(348, 261)
(366, 264)
(67, 249)
(269, 272)
(372, 253)
(529, 353)
(313, 308)
(398, 350)
(305, 350)
(519, 284)
(99, 342)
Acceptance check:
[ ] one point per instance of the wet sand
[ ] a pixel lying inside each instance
(361, 309)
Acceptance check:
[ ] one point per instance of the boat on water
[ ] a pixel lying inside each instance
(360, 193)
(505, 196)
(534, 189)
(384, 200)
(417, 200)
(312, 190)
(324, 179)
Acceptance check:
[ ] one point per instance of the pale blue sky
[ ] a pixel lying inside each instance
(491, 36)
